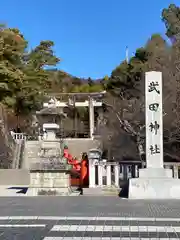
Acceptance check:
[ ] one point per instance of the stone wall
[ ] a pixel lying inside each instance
(79, 145)
(14, 177)
(7, 145)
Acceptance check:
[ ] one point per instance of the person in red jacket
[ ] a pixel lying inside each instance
(73, 161)
(76, 164)
(84, 170)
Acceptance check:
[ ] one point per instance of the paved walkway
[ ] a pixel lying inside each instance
(88, 206)
(95, 218)
(94, 228)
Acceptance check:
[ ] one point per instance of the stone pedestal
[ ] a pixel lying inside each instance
(154, 183)
(154, 188)
(49, 183)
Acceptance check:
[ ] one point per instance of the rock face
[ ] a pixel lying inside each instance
(7, 145)
(5, 153)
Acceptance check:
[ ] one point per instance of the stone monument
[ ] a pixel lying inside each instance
(154, 182)
(50, 173)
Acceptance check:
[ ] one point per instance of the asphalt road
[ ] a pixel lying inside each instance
(95, 218)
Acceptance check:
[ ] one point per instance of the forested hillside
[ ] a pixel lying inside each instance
(26, 77)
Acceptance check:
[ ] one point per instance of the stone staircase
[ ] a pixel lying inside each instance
(30, 155)
(18, 154)
(76, 148)
(80, 145)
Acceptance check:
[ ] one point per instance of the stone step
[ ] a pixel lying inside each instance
(76, 193)
(101, 191)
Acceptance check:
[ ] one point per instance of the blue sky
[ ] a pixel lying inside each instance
(90, 35)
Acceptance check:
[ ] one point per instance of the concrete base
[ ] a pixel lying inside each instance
(155, 173)
(154, 188)
(154, 183)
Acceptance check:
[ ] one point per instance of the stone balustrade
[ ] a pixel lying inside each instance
(112, 173)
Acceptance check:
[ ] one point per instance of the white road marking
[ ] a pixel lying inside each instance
(96, 228)
(106, 228)
(22, 225)
(105, 238)
(80, 218)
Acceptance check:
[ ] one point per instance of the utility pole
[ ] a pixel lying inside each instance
(127, 54)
